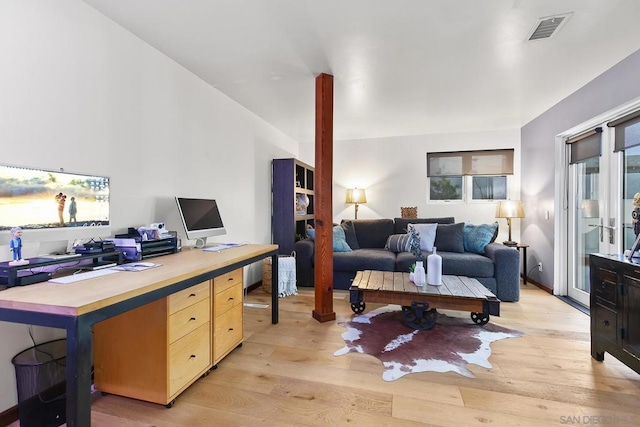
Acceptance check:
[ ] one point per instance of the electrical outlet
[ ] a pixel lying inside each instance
(540, 266)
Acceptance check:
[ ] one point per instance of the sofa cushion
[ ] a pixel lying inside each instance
(449, 238)
(373, 233)
(466, 264)
(476, 237)
(401, 225)
(453, 263)
(364, 259)
(427, 233)
(350, 234)
(339, 239)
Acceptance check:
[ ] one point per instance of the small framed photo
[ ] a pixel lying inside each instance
(635, 248)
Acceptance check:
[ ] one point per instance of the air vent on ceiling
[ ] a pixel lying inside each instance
(548, 27)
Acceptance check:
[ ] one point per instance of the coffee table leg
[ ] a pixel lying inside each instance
(480, 318)
(418, 316)
(356, 300)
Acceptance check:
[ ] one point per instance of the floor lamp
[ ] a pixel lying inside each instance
(356, 196)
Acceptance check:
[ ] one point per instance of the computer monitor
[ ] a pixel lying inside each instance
(200, 218)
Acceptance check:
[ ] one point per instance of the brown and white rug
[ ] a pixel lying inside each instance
(450, 346)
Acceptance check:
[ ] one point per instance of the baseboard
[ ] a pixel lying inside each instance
(9, 416)
(255, 286)
(545, 288)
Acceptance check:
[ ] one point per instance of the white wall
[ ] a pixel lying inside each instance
(394, 173)
(83, 94)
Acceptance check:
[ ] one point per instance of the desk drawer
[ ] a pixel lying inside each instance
(225, 281)
(188, 357)
(227, 299)
(227, 332)
(189, 296)
(189, 319)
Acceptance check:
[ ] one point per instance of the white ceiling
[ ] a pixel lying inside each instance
(403, 67)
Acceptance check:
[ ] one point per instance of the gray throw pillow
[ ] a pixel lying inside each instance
(350, 234)
(450, 238)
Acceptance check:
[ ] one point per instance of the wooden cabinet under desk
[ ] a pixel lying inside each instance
(615, 308)
(156, 351)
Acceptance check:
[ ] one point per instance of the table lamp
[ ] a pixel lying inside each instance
(356, 196)
(510, 209)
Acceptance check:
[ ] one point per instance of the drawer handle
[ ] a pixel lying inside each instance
(230, 298)
(193, 318)
(193, 356)
(605, 322)
(230, 329)
(230, 279)
(192, 295)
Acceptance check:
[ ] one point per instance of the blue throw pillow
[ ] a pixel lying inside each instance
(476, 237)
(339, 239)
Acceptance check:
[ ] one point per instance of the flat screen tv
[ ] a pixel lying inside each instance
(37, 199)
(200, 218)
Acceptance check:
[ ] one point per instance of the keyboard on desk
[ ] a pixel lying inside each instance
(82, 276)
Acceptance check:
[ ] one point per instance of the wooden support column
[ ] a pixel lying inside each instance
(323, 205)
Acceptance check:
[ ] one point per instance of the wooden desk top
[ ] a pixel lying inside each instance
(85, 296)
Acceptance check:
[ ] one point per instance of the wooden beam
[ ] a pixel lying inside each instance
(323, 206)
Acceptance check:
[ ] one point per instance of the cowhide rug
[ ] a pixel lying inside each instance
(451, 345)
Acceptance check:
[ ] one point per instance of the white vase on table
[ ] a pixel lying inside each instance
(419, 275)
(434, 269)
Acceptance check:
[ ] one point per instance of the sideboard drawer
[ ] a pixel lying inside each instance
(606, 324)
(606, 285)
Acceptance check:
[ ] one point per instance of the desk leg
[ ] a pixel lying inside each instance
(274, 289)
(78, 373)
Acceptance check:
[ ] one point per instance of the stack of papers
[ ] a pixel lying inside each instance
(136, 266)
(221, 247)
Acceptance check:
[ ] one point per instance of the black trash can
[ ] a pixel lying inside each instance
(41, 383)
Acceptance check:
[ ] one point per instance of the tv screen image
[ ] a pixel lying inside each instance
(41, 199)
(200, 218)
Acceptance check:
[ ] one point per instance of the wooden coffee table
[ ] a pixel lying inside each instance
(419, 304)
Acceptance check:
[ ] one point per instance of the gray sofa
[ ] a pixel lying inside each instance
(498, 268)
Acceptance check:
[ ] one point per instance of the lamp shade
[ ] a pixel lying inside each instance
(356, 195)
(510, 209)
(590, 209)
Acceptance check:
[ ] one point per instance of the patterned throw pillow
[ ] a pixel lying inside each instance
(427, 234)
(339, 239)
(477, 237)
(399, 243)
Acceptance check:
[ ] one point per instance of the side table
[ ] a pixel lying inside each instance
(523, 247)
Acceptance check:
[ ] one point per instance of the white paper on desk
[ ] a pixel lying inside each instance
(136, 266)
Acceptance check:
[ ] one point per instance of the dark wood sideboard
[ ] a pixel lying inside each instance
(615, 308)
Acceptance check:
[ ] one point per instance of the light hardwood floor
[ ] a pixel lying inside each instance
(286, 375)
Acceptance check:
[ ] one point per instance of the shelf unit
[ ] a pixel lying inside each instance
(292, 188)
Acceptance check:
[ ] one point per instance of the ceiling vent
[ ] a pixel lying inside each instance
(548, 27)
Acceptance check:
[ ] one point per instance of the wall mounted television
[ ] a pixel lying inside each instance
(200, 218)
(37, 199)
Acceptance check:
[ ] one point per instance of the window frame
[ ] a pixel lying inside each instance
(468, 172)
